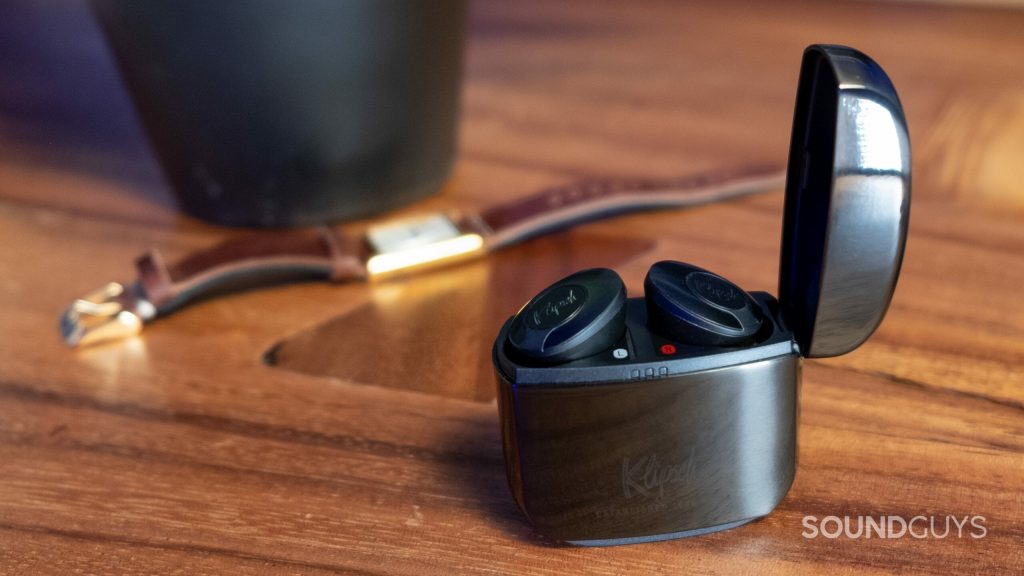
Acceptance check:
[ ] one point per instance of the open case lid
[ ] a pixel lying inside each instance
(847, 201)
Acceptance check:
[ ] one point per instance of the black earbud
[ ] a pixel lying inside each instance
(585, 313)
(689, 304)
(578, 316)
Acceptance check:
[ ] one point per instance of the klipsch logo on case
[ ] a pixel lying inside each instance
(648, 475)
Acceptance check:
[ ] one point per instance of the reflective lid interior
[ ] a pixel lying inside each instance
(847, 201)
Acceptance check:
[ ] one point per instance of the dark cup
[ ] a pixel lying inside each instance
(284, 113)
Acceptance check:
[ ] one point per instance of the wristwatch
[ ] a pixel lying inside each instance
(119, 310)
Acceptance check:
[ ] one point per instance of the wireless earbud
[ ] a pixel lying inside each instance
(584, 314)
(694, 306)
(578, 316)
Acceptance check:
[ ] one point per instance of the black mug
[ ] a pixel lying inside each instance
(277, 113)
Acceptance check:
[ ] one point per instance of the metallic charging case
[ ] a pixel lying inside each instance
(609, 450)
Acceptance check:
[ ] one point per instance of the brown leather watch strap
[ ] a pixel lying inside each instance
(117, 310)
(573, 204)
(251, 260)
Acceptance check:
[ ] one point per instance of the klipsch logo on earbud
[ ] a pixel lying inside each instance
(648, 475)
(714, 289)
(558, 306)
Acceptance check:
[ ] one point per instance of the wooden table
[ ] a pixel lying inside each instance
(184, 452)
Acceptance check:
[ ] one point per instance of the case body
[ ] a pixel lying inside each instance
(655, 439)
(652, 447)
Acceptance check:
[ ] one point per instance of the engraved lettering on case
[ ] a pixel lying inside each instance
(645, 508)
(648, 476)
(559, 305)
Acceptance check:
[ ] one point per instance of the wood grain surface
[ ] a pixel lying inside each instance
(183, 452)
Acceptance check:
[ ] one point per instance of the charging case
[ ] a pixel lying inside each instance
(633, 444)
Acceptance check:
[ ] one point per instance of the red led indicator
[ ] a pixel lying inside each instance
(668, 349)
